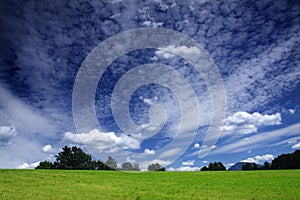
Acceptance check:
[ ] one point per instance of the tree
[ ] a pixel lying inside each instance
(216, 166)
(205, 168)
(136, 167)
(127, 166)
(156, 167)
(111, 163)
(72, 158)
(266, 165)
(45, 165)
(287, 161)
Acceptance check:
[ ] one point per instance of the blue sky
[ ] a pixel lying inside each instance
(148, 97)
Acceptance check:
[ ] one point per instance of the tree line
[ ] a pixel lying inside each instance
(74, 158)
(283, 161)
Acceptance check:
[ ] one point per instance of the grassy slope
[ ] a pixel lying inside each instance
(52, 184)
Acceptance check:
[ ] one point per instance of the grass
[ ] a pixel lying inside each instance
(60, 184)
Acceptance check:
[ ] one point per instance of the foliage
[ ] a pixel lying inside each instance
(111, 162)
(127, 166)
(250, 166)
(287, 161)
(156, 167)
(73, 158)
(45, 165)
(215, 166)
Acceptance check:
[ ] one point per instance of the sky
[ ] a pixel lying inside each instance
(181, 83)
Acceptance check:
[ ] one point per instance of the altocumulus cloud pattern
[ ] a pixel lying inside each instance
(253, 44)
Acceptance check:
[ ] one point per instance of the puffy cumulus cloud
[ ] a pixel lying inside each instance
(189, 162)
(184, 168)
(196, 145)
(296, 146)
(245, 123)
(47, 148)
(28, 165)
(103, 141)
(149, 151)
(6, 134)
(259, 159)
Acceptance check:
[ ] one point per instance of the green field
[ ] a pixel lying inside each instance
(60, 184)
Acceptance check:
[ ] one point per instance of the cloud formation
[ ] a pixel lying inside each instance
(6, 134)
(296, 146)
(47, 148)
(28, 165)
(103, 141)
(259, 159)
(189, 162)
(149, 151)
(245, 123)
(184, 168)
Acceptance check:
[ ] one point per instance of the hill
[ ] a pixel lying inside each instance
(239, 165)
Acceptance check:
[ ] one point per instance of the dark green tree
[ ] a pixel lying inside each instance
(73, 158)
(266, 165)
(205, 168)
(45, 165)
(216, 166)
(287, 161)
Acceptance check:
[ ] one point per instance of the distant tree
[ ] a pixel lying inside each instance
(156, 167)
(205, 168)
(72, 158)
(266, 165)
(111, 163)
(216, 166)
(136, 167)
(45, 165)
(287, 161)
(247, 166)
(99, 165)
(251, 166)
(127, 166)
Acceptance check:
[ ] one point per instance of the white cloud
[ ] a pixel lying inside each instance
(184, 168)
(28, 166)
(292, 111)
(47, 148)
(245, 123)
(103, 141)
(259, 159)
(260, 140)
(149, 151)
(296, 146)
(6, 134)
(189, 162)
(196, 145)
(23, 116)
(153, 24)
(192, 52)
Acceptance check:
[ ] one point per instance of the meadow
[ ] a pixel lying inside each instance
(63, 184)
